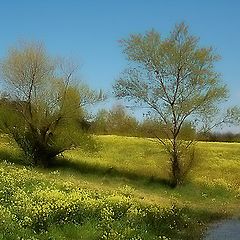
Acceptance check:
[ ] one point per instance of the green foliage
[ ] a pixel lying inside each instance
(233, 115)
(219, 136)
(44, 111)
(176, 80)
(115, 121)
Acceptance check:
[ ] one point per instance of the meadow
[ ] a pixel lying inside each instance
(120, 192)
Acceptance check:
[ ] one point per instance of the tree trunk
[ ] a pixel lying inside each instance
(176, 170)
(175, 165)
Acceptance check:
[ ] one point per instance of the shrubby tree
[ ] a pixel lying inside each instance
(150, 127)
(175, 79)
(120, 122)
(153, 127)
(115, 121)
(99, 123)
(43, 107)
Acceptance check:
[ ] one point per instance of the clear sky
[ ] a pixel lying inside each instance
(89, 30)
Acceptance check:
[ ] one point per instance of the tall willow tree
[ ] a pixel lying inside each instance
(175, 79)
(43, 108)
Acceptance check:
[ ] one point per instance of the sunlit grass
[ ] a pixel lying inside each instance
(144, 161)
(127, 174)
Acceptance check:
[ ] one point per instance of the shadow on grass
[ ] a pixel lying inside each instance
(82, 167)
(13, 157)
(96, 169)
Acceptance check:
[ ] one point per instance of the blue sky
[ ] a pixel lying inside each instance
(88, 31)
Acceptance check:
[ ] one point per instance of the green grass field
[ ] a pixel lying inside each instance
(118, 193)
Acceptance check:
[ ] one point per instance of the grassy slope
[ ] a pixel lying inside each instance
(213, 187)
(141, 163)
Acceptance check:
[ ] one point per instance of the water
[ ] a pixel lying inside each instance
(224, 230)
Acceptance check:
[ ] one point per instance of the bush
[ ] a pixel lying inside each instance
(44, 109)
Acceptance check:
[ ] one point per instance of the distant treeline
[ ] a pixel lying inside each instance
(219, 137)
(117, 121)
